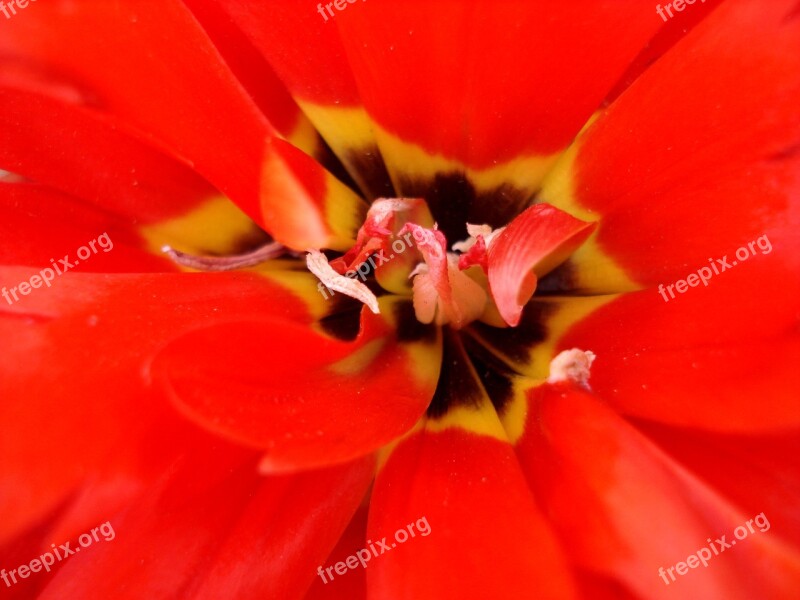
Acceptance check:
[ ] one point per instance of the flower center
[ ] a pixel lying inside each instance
(489, 277)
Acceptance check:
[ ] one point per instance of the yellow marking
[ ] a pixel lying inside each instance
(345, 213)
(304, 136)
(215, 226)
(569, 311)
(411, 160)
(426, 356)
(348, 132)
(481, 420)
(558, 187)
(516, 411)
(360, 360)
(427, 361)
(353, 130)
(595, 269)
(300, 283)
(342, 128)
(384, 453)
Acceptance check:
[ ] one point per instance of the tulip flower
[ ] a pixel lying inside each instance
(399, 300)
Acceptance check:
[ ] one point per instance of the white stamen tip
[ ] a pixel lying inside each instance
(572, 365)
(318, 264)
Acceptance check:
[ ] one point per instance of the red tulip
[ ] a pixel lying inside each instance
(419, 300)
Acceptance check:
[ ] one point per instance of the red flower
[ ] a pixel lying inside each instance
(245, 434)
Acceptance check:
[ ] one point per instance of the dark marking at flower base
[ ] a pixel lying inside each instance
(516, 342)
(560, 280)
(409, 329)
(343, 320)
(369, 164)
(247, 242)
(495, 375)
(458, 385)
(331, 162)
(454, 202)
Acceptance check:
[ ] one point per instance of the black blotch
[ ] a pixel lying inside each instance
(560, 280)
(495, 375)
(409, 329)
(343, 320)
(325, 156)
(516, 342)
(457, 385)
(369, 164)
(253, 239)
(499, 206)
(454, 202)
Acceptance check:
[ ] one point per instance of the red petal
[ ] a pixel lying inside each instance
(307, 398)
(354, 586)
(760, 473)
(305, 51)
(205, 533)
(483, 524)
(65, 147)
(398, 63)
(298, 43)
(415, 62)
(719, 357)
(127, 55)
(250, 68)
(603, 484)
(53, 382)
(710, 158)
(533, 244)
(38, 224)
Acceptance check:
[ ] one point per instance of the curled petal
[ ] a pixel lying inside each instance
(532, 245)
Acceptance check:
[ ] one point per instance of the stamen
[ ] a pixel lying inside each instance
(475, 232)
(475, 249)
(385, 218)
(572, 365)
(442, 293)
(225, 263)
(318, 264)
